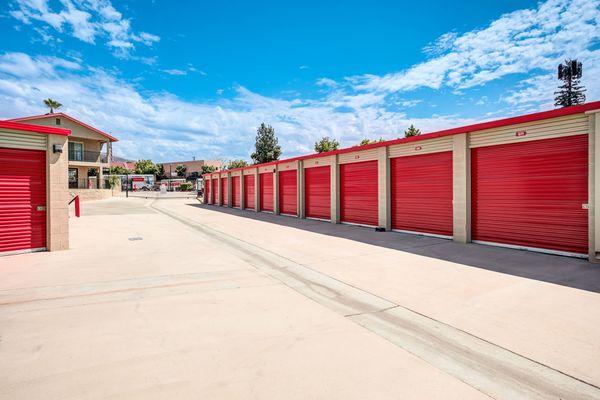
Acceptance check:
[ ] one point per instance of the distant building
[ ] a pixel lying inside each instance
(122, 162)
(192, 166)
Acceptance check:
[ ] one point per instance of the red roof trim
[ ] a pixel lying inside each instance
(48, 130)
(54, 115)
(560, 112)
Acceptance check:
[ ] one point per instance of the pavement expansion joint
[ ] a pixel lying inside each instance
(493, 370)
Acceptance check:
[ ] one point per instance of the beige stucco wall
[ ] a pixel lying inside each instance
(57, 211)
(461, 196)
(92, 194)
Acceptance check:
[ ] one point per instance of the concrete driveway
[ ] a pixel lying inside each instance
(166, 298)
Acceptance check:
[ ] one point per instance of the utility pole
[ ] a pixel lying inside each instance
(570, 93)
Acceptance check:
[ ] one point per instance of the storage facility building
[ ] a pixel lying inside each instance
(528, 182)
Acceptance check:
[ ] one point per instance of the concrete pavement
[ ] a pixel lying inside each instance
(146, 307)
(530, 317)
(273, 307)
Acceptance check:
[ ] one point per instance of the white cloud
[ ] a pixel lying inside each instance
(86, 20)
(517, 43)
(181, 72)
(162, 126)
(326, 82)
(174, 71)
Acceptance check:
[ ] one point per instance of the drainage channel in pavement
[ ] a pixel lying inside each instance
(491, 369)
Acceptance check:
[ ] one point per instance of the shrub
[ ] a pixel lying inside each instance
(185, 187)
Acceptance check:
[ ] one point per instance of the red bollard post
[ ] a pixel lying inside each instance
(77, 209)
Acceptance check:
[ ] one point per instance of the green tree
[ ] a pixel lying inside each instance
(412, 131)
(233, 164)
(267, 147)
(207, 169)
(113, 181)
(118, 170)
(365, 142)
(180, 170)
(146, 167)
(571, 92)
(52, 105)
(160, 172)
(326, 144)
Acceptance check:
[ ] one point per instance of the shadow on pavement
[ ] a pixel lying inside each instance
(565, 271)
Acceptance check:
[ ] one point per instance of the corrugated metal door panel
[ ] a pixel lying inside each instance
(288, 192)
(23, 140)
(22, 191)
(317, 188)
(215, 190)
(249, 191)
(531, 194)
(358, 193)
(207, 184)
(266, 191)
(224, 191)
(421, 193)
(235, 191)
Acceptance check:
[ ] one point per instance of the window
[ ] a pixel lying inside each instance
(75, 151)
(57, 121)
(73, 178)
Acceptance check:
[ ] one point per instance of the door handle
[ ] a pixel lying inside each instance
(41, 208)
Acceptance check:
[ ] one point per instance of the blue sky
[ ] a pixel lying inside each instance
(174, 80)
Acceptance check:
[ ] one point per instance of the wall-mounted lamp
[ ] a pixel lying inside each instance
(57, 148)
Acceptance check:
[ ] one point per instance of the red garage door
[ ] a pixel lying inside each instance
(266, 191)
(215, 190)
(317, 187)
(249, 191)
(358, 193)
(235, 191)
(531, 194)
(207, 191)
(22, 199)
(224, 191)
(288, 192)
(421, 192)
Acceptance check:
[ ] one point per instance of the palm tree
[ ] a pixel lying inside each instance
(52, 104)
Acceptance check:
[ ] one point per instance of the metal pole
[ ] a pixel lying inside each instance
(127, 185)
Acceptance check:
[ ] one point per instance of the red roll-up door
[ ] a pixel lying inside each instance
(266, 191)
(421, 193)
(224, 195)
(317, 188)
(215, 190)
(358, 193)
(207, 192)
(288, 192)
(532, 194)
(22, 199)
(249, 191)
(235, 191)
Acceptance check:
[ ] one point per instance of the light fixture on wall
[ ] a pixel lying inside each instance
(57, 148)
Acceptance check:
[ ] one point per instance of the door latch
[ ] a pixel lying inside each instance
(585, 206)
(41, 208)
